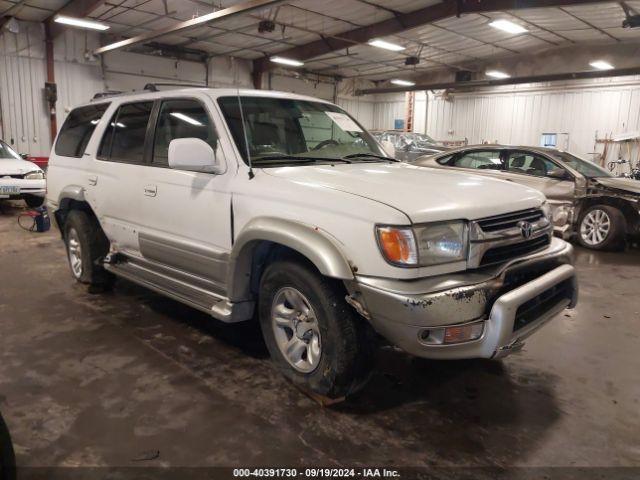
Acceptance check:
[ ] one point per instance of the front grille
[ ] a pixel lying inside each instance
(514, 250)
(12, 176)
(542, 304)
(509, 220)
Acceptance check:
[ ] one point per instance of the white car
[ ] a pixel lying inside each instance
(281, 208)
(20, 179)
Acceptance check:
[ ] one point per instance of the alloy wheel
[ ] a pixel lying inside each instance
(296, 329)
(75, 252)
(595, 227)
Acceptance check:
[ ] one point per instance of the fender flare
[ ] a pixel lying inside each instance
(305, 239)
(71, 192)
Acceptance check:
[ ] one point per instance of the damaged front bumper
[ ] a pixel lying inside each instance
(499, 307)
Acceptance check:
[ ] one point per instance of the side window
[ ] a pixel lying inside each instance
(124, 138)
(77, 130)
(529, 164)
(181, 119)
(480, 159)
(445, 160)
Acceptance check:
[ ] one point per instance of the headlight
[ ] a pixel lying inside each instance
(34, 176)
(430, 244)
(546, 209)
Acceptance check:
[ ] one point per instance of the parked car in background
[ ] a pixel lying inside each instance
(587, 201)
(253, 203)
(409, 145)
(19, 178)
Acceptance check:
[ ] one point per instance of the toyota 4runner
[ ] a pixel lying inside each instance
(256, 204)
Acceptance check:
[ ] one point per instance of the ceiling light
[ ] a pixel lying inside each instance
(386, 45)
(497, 74)
(287, 61)
(186, 118)
(404, 83)
(507, 26)
(80, 23)
(601, 65)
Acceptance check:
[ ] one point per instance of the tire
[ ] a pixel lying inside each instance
(602, 227)
(33, 201)
(86, 245)
(7, 455)
(345, 340)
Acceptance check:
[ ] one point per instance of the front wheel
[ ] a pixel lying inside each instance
(314, 337)
(602, 227)
(33, 201)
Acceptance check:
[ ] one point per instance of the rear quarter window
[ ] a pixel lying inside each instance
(77, 130)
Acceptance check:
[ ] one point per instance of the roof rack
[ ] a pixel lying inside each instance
(153, 87)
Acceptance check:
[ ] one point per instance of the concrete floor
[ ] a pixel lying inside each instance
(132, 378)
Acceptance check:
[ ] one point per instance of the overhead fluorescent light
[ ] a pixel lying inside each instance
(186, 118)
(386, 45)
(404, 83)
(81, 23)
(497, 74)
(508, 26)
(287, 61)
(601, 65)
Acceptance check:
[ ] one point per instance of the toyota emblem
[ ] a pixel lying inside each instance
(526, 229)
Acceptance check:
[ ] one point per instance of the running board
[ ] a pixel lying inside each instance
(204, 300)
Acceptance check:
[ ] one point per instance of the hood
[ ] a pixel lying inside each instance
(423, 194)
(627, 184)
(13, 166)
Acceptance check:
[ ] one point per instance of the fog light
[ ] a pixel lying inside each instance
(453, 334)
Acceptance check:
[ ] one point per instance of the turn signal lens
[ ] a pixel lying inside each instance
(463, 333)
(398, 245)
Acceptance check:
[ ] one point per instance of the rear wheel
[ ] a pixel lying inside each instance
(602, 227)
(86, 246)
(315, 339)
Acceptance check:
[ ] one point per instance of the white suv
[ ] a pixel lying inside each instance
(257, 204)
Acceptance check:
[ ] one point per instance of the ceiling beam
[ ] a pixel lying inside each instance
(554, 77)
(74, 8)
(237, 9)
(404, 21)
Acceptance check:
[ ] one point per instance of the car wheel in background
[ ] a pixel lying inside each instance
(602, 227)
(33, 201)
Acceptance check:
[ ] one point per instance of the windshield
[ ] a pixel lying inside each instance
(295, 131)
(6, 152)
(585, 167)
(420, 138)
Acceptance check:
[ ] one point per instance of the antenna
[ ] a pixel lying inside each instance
(244, 133)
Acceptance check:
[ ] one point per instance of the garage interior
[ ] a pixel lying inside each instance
(133, 379)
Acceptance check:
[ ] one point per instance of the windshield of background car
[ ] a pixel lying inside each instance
(7, 152)
(280, 127)
(585, 167)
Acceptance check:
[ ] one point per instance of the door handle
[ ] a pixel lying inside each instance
(93, 180)
(150, 190)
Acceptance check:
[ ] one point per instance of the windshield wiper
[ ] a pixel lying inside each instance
(299, 158)
(370, 155)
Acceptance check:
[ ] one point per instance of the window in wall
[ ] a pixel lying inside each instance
(549, 140)
(181, 119)
(124, 139)
(77, 130)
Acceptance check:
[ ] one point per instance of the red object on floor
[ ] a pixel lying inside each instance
(42, 162)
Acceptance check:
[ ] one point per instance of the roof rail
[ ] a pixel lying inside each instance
(153, 87)
(108, 93)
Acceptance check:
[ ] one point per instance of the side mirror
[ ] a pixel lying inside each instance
(24, 156)
(193, 154)
(557, 173)
(389, 148)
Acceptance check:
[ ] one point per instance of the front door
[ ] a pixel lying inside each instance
(186, 221)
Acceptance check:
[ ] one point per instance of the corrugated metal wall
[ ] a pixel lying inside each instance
(24, 121)
(521, 114)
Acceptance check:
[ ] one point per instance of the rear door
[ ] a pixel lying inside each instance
(532, 170)
(114, 184)
(186, 222)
